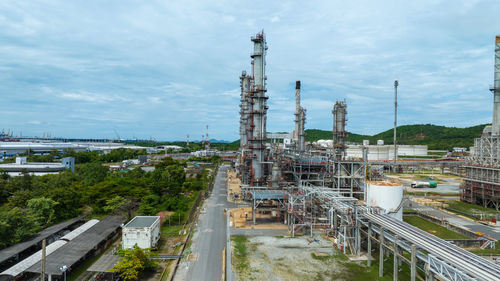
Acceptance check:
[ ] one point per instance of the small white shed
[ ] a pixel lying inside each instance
(143, 231)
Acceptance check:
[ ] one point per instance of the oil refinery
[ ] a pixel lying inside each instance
(327, 187)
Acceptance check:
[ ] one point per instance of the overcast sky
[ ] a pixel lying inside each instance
(165, 69)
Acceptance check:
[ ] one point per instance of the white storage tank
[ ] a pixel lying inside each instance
(380, 142)
(386, 196)
(366, 142)
(143, 231)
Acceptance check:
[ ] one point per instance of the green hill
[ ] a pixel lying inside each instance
(436, 137)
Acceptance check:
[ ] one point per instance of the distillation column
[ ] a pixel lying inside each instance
(339, 134)
(302, 133)
(257, 141)
(495, 127)
(245, 89)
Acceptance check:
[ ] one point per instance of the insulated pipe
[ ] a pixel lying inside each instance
(495, 127)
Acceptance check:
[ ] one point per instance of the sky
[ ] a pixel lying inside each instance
(166, 69)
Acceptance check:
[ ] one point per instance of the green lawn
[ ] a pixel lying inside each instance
(433, 228)
(471, 208)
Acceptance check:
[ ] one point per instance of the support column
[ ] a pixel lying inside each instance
(253, 211)
(369, 246)
(381, 253)
(358, 241)
(396, 260)
(428, 274)
(413, 261)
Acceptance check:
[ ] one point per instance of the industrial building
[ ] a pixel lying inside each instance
(11, 148)
(143, 231)
(64, 248)
(481, 182)
(37, 168)
(312, 188)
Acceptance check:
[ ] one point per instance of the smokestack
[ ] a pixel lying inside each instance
(296, 132)
(495, 127)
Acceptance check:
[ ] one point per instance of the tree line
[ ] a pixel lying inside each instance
(30, 203)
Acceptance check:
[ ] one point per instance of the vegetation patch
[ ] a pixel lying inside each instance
(472, 209)
(433, 228)
(240, 253)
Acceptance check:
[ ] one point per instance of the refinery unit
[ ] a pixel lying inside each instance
(481, 183)
(325, 187)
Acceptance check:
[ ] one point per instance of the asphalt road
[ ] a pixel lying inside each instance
(209, 238)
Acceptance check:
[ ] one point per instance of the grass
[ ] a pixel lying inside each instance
(471, 208)
(433, 228)
(240, 253)
(355, 271)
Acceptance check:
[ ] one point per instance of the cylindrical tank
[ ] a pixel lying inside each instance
(380, 142)
(387, 197)
(366, 142)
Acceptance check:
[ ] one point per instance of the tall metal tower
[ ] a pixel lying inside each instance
(495, 127)
(258, 114)
(245, 107)
(297, 112)
(339, 134)
(396, 83)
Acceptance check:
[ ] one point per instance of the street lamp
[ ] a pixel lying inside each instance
(63, 269)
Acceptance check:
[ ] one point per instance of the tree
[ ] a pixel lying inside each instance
(16, 225)
(134, 262)
(42, 208)
(115, 204)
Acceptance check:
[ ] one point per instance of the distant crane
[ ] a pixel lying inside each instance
(117, 135)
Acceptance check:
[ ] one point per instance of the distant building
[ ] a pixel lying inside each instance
(37, 168)
(459, 149)
(143, 231)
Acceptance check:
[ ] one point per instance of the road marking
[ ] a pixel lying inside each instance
(208, 230)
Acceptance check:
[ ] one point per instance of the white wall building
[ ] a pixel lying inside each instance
(143, 231)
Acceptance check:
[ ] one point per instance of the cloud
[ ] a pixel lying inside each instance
(168, 68)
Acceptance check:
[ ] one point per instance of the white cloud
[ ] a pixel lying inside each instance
(166, 68)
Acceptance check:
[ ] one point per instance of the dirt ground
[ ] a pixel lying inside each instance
(233, 185)
(242, 218)
(273, 258)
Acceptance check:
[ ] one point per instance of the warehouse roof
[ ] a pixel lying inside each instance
(104, 263)
(78, 248)
(18, 248)
(142, 221)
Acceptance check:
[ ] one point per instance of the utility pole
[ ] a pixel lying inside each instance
(44, 244)
(395, 123)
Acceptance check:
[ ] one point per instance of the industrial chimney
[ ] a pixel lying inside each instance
(297, 112)
(495, 127)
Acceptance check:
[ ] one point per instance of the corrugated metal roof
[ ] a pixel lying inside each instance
(78, 248)
(18, 248)
(21, 266)
(142, 221)
(70, 236)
